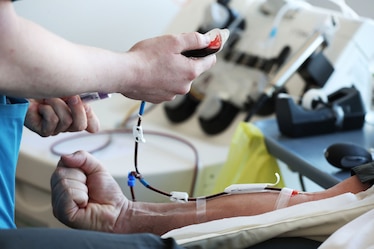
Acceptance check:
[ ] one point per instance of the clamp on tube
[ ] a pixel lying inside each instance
(251, 188)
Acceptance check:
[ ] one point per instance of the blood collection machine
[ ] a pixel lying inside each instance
(265, 36)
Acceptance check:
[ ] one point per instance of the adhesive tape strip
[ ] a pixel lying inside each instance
(283, 198)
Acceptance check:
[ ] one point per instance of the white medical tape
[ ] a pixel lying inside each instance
(201, 210)
(283, 198)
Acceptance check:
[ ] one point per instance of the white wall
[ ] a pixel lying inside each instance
(364, 8)
(112, 24)
(118, 24)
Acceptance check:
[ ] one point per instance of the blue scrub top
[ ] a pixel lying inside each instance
(12, 116)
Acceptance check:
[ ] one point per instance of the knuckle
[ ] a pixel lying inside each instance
(66, 122)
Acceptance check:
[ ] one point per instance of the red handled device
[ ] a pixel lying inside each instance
(219, 37)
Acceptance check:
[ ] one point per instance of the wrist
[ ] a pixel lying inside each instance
(123, 220)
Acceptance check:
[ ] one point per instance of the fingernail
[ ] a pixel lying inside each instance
(72, 100)
(69, 155)
(207, 38)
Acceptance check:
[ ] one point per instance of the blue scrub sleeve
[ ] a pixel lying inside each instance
(12, 116)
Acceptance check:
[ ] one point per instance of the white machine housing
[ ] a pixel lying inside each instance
(350, 51)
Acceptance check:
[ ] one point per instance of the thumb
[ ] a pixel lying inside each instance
(195, 40)
(93, 123)
(82, 160)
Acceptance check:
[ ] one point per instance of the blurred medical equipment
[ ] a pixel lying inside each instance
(347, 155)
(276, 46)
(343, 110)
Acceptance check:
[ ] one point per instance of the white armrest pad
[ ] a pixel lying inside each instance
(316, 220)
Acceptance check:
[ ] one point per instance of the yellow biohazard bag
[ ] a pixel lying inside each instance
(248, 160)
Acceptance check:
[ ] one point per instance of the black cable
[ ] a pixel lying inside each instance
(257, 106)
(301, 179)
